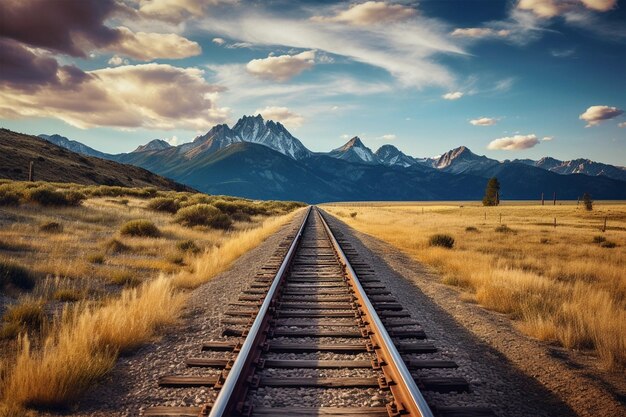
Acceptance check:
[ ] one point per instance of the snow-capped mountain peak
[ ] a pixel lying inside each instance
(271, 134)
(355, 151)
(153, 145)
(220, 136)
(461, 159)
(390, 155)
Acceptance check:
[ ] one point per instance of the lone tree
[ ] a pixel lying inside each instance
(492, 193)
(587, 201)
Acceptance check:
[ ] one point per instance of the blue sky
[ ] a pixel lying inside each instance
(508, 79)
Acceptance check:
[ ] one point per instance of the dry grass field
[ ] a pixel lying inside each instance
(564, 284)
(91, 272)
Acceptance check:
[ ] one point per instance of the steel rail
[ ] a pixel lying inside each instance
(402, 384)
(224, 401)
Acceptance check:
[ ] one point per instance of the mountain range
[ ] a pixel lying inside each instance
(262, 159)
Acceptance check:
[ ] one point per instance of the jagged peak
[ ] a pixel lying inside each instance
(153, 145)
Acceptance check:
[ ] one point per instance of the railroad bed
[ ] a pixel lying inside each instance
(317, 333)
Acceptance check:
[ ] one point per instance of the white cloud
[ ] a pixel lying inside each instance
(345, 136)
(370, 13)
(117, 60)
(455, 95)
(596, 114)
(389, 137)
(218, 41)
(600, 5)
(547, 138)
(145, 46)
(513, 143)
(623, 124)
(484, 121)
(153, 96)
(404, 49)
(172, 141)
(480, 33)
(176, 11)
(282, 115)
(547, 9)
(283, 67)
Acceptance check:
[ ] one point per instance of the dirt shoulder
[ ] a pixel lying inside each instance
(508, 371)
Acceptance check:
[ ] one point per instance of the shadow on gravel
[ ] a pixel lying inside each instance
(521, 389)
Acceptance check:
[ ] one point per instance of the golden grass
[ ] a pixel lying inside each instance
(83, 343)
(218, 258)
(557, 283)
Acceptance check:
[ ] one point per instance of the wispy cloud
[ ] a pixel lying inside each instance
(484, 121)
(281, 114)
(404, 48)
(453, 95)
(369, 13)
(283, 67)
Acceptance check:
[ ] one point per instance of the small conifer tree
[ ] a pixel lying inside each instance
(492, 193)
(588, 202)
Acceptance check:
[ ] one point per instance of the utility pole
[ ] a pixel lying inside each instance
(554, 199)
(542, 200)
(31, 171)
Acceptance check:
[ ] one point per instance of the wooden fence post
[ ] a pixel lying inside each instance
(31, 171)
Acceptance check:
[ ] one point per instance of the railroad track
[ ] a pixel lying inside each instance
(316, 334)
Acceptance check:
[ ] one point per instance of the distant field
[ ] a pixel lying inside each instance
(565, 284)
(88, 272)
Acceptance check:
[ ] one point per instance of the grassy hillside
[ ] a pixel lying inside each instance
(56, 164)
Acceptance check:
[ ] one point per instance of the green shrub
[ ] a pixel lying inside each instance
(140, 228)
(188, 246)
(599, 239)
(96, 258)
(442, 240)
(12, 275)
(124, 278)
(503, 228)
(471, 229)
(166, 204)
(51, 227)
(67, 295)
(47, 196)
(27, 314)
(608, 244)
(203, 215)
(114, 247)
(9, 196)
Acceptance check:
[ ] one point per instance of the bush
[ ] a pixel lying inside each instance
(165, 204)
(12, 275)
(353, 214)
(46, 196)
(114, 247)
(124, 278)
(96, 258)
(544, 240)
(188, 246)
(67, 295)
(28, 314)
(203, 215)
(608, 244)
(140, 228)
(442, 240)
(51, 227)
(9, 196)
(503, 228)
(599, 239)
(471, 229)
